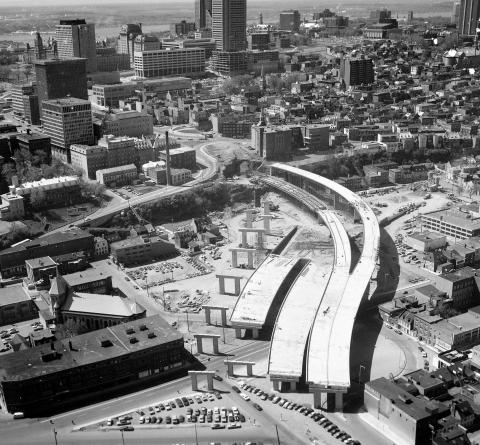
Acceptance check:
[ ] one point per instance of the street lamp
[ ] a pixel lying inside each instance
(54, 432)
(360, 372)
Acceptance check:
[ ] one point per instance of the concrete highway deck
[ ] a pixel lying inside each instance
(302, 303)
(258, 294)
(328, 360)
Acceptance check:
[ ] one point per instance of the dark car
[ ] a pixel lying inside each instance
(236, 389)
(128, 428)
(257, 407)
(179, 403)
(217, 377)
(181, 418)
(168, 419)
(218, 395)
(242, 418)
(185, 401)
(217, 426)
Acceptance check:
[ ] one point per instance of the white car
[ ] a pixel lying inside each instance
(244, 396)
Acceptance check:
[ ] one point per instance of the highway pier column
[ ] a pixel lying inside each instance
(232, 363)
(223, 277)
(200, 337)
(222, 309)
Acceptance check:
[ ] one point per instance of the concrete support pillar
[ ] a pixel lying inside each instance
(215, 345)
(317, 399)
(249, 370)
(334, 200)
(276, 385)
(234, 258)
(293, 386)
(207, 315)
(229, 369)
(250, 259)
(193, 378)
(255, 333)
(266, 207)
(200, 345)
(266, 223)
(210, 382)
(260, 240)
(330, 407)
(238, 333)
(339, 401)
(237, 285)
(221, 283)
(244, 239)
(224, 316)
(249, 218)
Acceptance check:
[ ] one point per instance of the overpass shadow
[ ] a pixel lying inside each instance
(368, 322)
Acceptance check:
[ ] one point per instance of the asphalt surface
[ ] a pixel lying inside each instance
(40, 431)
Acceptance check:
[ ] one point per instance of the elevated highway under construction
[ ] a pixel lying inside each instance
(316, 307)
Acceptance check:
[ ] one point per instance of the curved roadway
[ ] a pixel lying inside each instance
(202, 158)
(328, 356)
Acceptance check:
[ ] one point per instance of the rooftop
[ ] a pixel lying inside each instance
(12, 295)
(85, 276)
(414, 407)
(456, 219)
(87, 349)
(135, 241)
(37, 263)
(101, 304)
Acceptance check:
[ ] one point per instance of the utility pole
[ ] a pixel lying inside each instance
(278, 437)
(196, 435)
(123, 439)
(188, 323)
(54, 432)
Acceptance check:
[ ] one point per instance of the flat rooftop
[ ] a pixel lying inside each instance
(414, 407)
(13, 294)
(85, 276)
(456, 219)
(87, 349)
(257, 296)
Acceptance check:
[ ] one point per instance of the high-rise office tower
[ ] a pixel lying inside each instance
(67, 121)
(468, 16)
(229, 24)
(76, 38)
(290, 20)
(61, 78)
(203, 14)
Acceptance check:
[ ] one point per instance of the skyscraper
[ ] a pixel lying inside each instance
(61, 78)
(290, 20)
(203, 14)
(67, 121)
(229, 24)
(357, 71)
(468, 17)
(76, 38)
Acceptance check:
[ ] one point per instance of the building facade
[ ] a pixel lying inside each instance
(76, 38)
(468, 15)
(117, 176)
(357, 71)
(61, 78)
(290, 20)
(229, 24)
(67, 121)
(203, 14)
(79, 368)
(141, 249)
(160, 63)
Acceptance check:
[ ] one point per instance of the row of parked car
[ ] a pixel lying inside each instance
(316, 416)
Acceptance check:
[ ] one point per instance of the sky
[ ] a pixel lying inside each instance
(27, 3)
